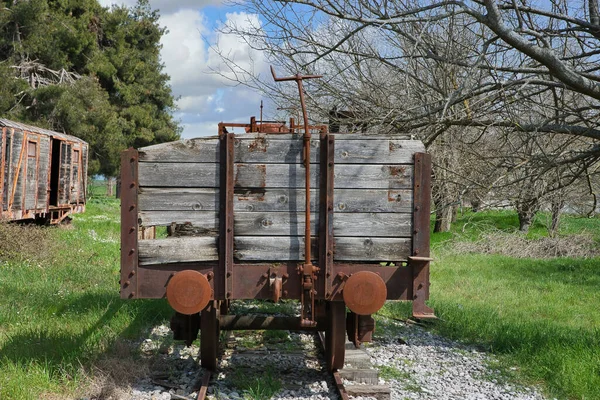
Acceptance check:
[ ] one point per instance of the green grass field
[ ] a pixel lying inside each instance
(60, 311)
(540, 316)
(61, 316)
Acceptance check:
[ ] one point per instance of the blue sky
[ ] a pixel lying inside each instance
(204, 98)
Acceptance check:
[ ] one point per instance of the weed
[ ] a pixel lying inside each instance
(388, 372)
(257, 385)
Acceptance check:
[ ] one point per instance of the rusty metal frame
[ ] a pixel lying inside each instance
(224, 275)
(419, 261)
(251, 281)
(129, 224)
(2, 167)
(327, 149)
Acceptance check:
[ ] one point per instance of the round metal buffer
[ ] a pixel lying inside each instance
(365, 292)
(188, 292)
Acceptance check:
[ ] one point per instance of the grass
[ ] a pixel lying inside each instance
(61, 315)
(540, 316)
(257, 385)
(60, 310)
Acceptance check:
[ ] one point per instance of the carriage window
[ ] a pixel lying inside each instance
(75, 156)
(31, 149)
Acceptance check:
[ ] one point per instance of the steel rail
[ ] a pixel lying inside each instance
(339, 383)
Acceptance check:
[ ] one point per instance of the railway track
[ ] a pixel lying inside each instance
(295, 369)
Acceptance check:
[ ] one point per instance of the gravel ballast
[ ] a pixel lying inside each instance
(415, 363)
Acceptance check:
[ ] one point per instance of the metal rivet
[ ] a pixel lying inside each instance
(228, 294)
(229, 274)
(285, 292)
(132, 273)
(209, 276)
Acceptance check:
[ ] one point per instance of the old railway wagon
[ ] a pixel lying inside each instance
(242, 199)
(43, 173)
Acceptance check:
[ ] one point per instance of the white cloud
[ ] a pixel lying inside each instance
(200, 79)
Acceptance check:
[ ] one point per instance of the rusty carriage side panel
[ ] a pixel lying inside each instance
(37, 164)
(370, 210)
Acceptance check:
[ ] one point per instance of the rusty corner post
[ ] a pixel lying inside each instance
(308, 270)
(326, 161)
(129, 223)
(3, 160)
(223, 287)
(419, 261)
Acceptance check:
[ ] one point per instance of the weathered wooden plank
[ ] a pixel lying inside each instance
(178, 174)
(254, 248)
(191, 150)
(43, 169)
(345, 200)
(285, 149)
(174, 250)
(30, 187)
(17, 171)
(292, 224)
(204, 222)
(274, 175)
(285, 223)
(283, 248)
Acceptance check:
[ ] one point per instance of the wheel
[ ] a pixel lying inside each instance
(335, 335)
(209, 336)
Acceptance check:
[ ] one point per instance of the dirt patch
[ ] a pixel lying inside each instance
(518, 246)
(112, 376)
(20, 242)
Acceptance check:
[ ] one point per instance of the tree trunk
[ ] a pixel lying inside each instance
(526, 210)
(443, 219)
(475, 205)
(110, 181)
(118, 189)
(556, 209)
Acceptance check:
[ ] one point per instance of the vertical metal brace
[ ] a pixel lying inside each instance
(326, 210)
(224, 276)
(129, 224)
(2, 168)
(419, 261)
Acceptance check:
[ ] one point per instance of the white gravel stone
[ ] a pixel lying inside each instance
(427, 367)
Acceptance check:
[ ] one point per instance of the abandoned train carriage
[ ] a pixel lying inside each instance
(243, 196)
(43, 173)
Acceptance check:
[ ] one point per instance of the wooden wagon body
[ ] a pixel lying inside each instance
(43, 174)
(242, 197)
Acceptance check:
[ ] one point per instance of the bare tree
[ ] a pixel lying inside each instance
(454, 73)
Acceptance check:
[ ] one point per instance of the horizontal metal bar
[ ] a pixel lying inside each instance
(257, 322)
